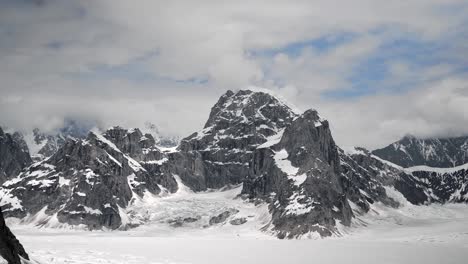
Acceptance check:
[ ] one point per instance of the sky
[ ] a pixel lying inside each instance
(376, 69)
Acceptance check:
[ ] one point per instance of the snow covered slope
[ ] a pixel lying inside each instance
(411, 234)
(408, 234)
(86, 182)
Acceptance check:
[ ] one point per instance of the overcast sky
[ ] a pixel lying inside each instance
(376, 69)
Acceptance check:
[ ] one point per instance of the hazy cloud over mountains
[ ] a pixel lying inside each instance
(376, 69)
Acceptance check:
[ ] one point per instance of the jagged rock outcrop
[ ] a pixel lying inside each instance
(14, 155)
(411, 151)
(238, 221)
(142, 148)
(284, 158)
(86, 182)
(220, 154)
(419, 185)
(366, 178)
(11, 249)
(222, 217)
(298, 172)
(436, 185)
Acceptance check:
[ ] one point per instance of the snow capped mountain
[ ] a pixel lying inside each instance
(220, 153)
(420, 184)
(411, 151)
(86, 182)
(42, 145)
(299, 175)
(253, 142)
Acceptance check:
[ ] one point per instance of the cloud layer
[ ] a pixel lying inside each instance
(376, 69)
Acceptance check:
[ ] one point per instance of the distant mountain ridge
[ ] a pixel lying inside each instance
(42, 145)
(437, 152)
(419, 184)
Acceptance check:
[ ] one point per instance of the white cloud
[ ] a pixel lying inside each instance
(315, 72)
(435, 109)
(49, 54)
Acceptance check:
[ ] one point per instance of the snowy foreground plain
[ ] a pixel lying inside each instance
(410, 234)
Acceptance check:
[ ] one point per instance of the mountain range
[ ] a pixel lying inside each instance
(283, 158)
(411, 151)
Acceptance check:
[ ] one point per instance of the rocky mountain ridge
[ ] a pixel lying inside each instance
(298, 172)
(220, 153)
(411, 151)
(421, 184)
(88, 181)
(283, 158)
(42, 145)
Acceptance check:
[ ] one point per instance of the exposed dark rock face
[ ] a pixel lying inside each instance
(222, 217)
(14, 155)
(435, 186)
(178, 222)
(238, 221)
(220, 154)
(19, 139)
(86, 182)
(11, 249)
(411, 151)
(142, 148)
(133, 143)
(366, 177)
(419, 185)
(299, 172)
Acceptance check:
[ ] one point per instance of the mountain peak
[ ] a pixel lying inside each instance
(248, 106)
